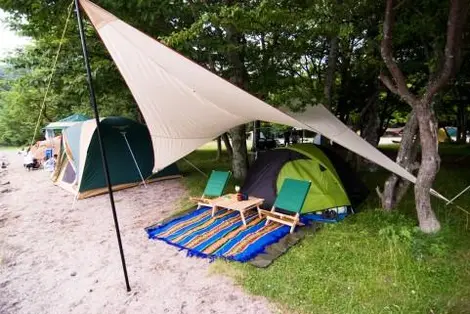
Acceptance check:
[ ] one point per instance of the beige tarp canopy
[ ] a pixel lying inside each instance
(186, 106)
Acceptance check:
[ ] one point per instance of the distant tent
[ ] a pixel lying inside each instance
(334, 184)
(451, 130)
(443, 136)
(66, 122)
(79, 167)
(49, 130)
(51, 145)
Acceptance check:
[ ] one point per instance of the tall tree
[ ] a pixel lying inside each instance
(422, 102)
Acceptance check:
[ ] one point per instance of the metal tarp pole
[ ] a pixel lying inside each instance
(100, 140)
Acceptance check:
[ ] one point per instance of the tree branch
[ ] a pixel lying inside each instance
(455, 24)
(388, 83)
(387, 55)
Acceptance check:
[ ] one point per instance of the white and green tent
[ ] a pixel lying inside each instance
(129, 155)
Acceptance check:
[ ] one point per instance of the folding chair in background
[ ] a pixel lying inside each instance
(214, 188)
(288, 204)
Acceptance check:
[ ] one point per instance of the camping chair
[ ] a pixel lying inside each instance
(214, 188)
(290, 200)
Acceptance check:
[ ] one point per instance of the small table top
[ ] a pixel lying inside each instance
(230, 201)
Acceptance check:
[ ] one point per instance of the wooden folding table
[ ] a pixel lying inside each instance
(230, 202)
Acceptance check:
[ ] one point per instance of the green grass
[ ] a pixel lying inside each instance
(8, 148)
(372, 262)
(445, 149)
(194, 181)
(205, 159)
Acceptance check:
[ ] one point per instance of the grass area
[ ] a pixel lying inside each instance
(205, 160)
(8, 148)
(445, 149)
(372, 262)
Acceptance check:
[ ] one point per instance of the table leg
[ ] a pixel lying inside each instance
(242, 214)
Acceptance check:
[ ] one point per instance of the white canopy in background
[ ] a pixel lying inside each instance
(186, 106)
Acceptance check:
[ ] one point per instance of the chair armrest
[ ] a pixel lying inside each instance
(200, 199)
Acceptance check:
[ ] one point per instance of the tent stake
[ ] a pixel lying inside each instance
(100, 141)
(133, 157)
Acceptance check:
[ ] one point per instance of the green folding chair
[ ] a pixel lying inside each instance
(214, 188)
(290, 200)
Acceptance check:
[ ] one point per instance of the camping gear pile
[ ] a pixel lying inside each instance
(51, 147)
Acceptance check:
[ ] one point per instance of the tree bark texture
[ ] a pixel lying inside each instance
(422, 105)
(330, 71)
(219, 148)
(238, 77)
(462, 123)
(430, 162)
(227, 144)
(256, 135)
(370, 127)
(240, 157)
(395, 187)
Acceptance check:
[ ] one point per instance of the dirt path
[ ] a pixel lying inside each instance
(55, 259)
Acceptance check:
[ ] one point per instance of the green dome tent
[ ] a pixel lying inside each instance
(334, 184)
(129, 154)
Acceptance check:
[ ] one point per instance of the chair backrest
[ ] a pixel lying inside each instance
(292, 195)
(216, 184)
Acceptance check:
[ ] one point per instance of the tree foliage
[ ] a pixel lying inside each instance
(278, 50)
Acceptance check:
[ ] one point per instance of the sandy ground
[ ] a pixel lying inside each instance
(55, 259)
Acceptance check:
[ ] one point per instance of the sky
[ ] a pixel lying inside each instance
(9, 40)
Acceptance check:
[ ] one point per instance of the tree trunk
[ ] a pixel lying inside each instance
(219, 148)
(227, 144)
(430, 162)
(395, 187)
(239, 158)
(422, 104)
(238, 77)
(464, 128)
(256, 135)
(330, 72)
(461, 123)
(370, 126)
(330, 79)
